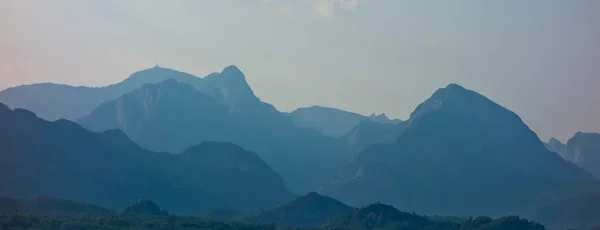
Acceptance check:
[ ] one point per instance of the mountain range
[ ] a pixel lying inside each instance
(201, 144)
(61, 159)
(171, 116)
(56, 101)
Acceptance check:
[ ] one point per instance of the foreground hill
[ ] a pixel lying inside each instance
(117, 221)
(331, 121)
(48, 204)
(145, 207)
(171, 116)
(381, 216)
(461, 154)
(312, 210)
(61, 159)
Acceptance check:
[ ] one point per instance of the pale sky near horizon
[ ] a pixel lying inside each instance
(539, 58)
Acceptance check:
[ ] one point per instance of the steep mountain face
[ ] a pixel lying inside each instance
(61, 159)
(172, 116)
(463, 155)
(584, 149)
(311, 210)
(56, 101)
(168, 116)
(48, 204)
(230, 88)
(333, 122)
(560, 148)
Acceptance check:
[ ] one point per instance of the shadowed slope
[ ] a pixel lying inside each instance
(61, 159)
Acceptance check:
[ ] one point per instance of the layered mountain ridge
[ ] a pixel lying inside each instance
(459, 154)
(57, 101)
(61, 159)
(171, 116)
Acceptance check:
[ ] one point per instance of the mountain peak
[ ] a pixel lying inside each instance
(303, 212)
(554, 140)
(4, 108)
(230, 86)
(233, 72)
(452, 90)
(456, 98)
(379, 116)
(455, 86)
(153, 75)
(313, 195)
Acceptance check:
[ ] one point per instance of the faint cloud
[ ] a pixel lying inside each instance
(318, 8)
(329, 8)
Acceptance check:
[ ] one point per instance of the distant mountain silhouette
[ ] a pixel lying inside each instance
(171, 116)
(584, 150)
(55, 101)
(556, 146)
(48, 204)
(369, 132)
(461, 154)
(231, 88)
(145, 207)
(382, 118)
(381, 216)
(333, 122)
(61, 159)
(311, 210)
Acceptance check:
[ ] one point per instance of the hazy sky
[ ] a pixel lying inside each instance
(539, 58)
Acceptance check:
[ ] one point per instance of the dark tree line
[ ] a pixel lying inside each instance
(48, 221)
